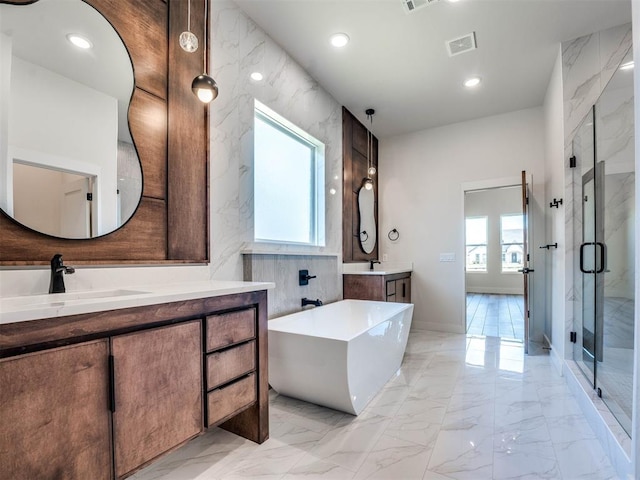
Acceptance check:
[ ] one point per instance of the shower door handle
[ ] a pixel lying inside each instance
(603, 257)
(582, 247)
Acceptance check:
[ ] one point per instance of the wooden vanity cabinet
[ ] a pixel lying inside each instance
(157, 392)
(384, 288)
(54, 414)
(102, 408)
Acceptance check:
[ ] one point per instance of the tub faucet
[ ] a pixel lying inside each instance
(58, 269)
(371, 262)
(317, 302)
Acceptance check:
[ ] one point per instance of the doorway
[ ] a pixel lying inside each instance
(495, 254)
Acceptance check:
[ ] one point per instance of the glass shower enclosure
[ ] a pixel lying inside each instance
(604, 239)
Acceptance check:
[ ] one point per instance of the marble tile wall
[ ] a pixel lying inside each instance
(283, 270)
(238, 48)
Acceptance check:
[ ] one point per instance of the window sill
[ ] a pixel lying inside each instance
(293, 250)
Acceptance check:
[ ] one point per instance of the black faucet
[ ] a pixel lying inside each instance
(317, 302)
(56, 285)
(371, 262)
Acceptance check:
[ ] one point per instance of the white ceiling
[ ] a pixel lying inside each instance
(398, 64)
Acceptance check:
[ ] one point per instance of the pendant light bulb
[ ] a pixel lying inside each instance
(368, 185)
(372, 170)
(188, 40)
(205, 88)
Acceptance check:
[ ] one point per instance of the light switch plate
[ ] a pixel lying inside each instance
(447, 257)
(384, 257)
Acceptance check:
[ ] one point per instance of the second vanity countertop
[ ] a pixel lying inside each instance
(384, 268)
(34, 307)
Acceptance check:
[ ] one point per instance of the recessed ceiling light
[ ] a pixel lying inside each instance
(453, 1)
(339, 39)
(627, 66)
(79, 41)
(257, 76)
(472, 82)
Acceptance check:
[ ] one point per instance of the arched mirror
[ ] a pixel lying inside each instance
(366, 207)
(68, 165)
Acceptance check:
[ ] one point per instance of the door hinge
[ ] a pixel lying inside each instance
(528, 258)
(112, 384)
(90, 197)
(599, 392)
(573, 337)
(572, 162)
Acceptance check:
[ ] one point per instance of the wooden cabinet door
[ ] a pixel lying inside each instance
(54, 414)
(157, 391)
(403, 289)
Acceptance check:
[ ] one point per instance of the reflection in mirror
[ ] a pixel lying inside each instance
(68, 166)
(367, 227)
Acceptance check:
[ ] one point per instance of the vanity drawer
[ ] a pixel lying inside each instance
(234, 362)
(223, 402)
(229, 328)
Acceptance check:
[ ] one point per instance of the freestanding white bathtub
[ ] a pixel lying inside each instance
(338, 355)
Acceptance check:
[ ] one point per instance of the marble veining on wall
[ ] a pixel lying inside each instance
(238, 48)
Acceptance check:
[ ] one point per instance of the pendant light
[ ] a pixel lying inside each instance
(203, 86)
(188, 40)
(371, 169)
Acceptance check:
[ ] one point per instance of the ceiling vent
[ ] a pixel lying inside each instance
(413, 5)
(462, 44)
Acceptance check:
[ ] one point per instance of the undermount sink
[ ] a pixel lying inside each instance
(61, 298)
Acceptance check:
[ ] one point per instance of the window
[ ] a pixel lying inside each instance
(476, 243)
(288, 181)
(511, 242)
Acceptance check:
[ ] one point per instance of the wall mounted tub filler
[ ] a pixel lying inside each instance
(304, 277)
(58, 269)
(317, 302)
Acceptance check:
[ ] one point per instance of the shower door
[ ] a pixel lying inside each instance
(603, 213)
(585, 235)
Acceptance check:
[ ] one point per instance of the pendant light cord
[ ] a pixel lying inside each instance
(205, 49)
(189, 16)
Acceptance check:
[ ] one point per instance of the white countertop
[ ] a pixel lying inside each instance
(384, 268)
(33, 307)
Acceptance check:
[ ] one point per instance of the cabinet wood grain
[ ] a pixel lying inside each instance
(55, 421)
(224, 402)
(231, 363)
(229, 328)
(158, 392)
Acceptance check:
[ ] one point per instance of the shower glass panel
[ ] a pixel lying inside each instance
(585, 248)
(615, 287)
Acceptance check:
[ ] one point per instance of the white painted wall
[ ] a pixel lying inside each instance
(421, 183)
(5, 85)
(51, 114)
(555, 217)
(492, 204)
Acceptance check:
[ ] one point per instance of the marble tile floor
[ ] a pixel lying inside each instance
(460, 407)
(496, 315)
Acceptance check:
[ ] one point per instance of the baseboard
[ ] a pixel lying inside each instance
(556, 360)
